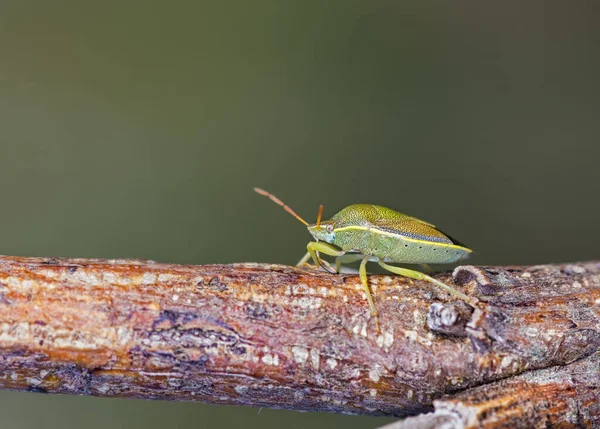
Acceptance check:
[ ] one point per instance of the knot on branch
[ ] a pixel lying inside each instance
(449, 318)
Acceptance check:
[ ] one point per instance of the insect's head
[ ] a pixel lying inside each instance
(321, 231)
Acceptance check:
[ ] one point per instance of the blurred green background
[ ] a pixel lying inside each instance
(138, 129)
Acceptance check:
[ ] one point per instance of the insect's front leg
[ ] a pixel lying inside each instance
(304, 259)
(314, 247)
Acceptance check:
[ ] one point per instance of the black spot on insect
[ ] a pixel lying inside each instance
(72, 269)
(51, 261)
(41, 342)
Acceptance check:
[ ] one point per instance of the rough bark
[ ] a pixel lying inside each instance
(562, 396)
(298, 338)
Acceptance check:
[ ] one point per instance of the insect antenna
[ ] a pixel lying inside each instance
(319, 216)
(281, 203)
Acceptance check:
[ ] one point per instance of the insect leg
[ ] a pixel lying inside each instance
(304, 259)
(348, 258)
(363, 278)
(420, 276)
(315, 247)
(426, 268)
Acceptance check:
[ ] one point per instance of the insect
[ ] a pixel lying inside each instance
(371, 233)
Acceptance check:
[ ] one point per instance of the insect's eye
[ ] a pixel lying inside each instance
(329, 228)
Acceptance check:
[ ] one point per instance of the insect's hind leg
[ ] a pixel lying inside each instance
(426, 268)
(420, 276)
(362, 272)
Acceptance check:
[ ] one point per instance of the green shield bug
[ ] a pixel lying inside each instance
(366, 232)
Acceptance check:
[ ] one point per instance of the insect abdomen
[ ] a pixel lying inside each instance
(408, 251)
(398, 249)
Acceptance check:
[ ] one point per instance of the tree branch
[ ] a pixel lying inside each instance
(562, 396)
(277, 336)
